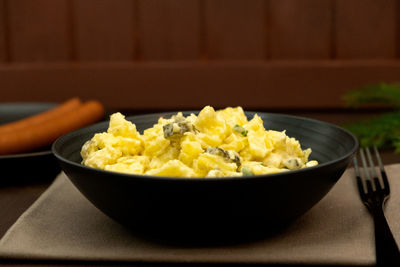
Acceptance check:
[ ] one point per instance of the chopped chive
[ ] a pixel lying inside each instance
(246, 171)
(240, 130)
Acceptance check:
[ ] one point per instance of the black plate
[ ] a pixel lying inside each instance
(199, 208)
(32, 167)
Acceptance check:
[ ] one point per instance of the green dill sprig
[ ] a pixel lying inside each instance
(396, 144)
(384, 130)
(383, 93)
(381, 131)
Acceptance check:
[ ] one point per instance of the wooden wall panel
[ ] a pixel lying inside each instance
(38, 30)
(366, 29)
(186, 85)
(3, 31)
(168, 30)
(300, 29)
(103, 29)
(235, 29)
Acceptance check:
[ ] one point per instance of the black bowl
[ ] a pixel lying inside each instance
(226, 206)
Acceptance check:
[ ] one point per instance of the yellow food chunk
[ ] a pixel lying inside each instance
(174, 168)
(100, 158)
(190, 149)
(257, 146)
(121, 127)
(154, 141)
(258, 168)
(213, 128)
(233, 116)
(235, 142)
(207, 162)
(134, 165)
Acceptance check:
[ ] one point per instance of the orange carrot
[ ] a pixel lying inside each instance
(40, 118)
(37, 136)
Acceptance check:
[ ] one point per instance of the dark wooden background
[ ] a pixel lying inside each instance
(174, 54)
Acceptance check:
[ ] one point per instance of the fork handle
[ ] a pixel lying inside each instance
(387, 251)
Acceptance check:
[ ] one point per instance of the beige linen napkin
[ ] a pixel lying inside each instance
(63, 225)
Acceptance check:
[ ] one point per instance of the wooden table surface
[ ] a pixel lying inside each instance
(14, 200)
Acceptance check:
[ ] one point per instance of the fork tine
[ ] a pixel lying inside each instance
(367, 175)
(371, 163)
(376, 183)
(364, 164)
(356, 168)
(360, 183)
(385, 180)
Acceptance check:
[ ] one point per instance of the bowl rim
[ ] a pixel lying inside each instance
(210, 179)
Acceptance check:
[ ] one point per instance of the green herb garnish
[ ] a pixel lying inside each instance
(240, 130)
(246, 171)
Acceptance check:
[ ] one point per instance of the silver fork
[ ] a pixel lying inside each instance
(374, 194)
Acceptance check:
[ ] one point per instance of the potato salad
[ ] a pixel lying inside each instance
(212, 144)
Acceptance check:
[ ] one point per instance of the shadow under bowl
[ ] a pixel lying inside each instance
(218, 208)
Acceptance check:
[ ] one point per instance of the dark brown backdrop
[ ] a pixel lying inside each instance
(146, 54)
